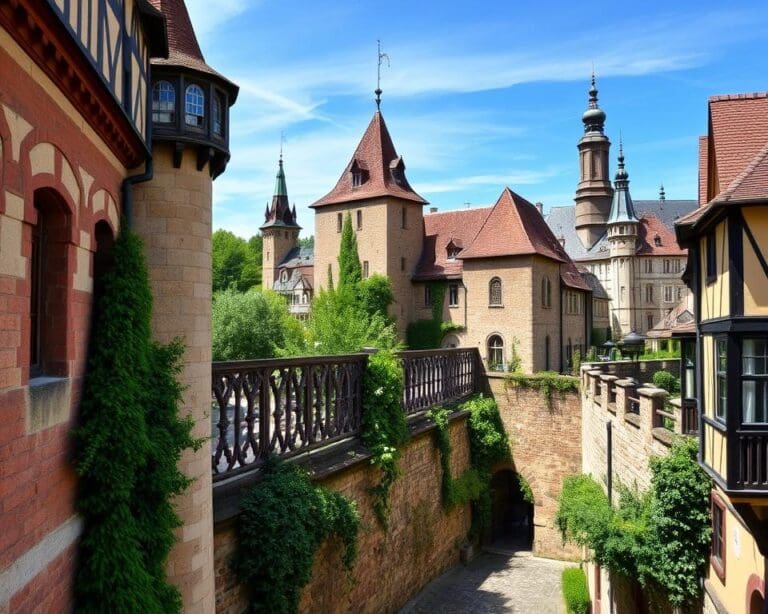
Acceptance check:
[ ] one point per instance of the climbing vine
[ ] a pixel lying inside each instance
(660, 537)
(488, 445)
(544, 381)
(129, 403)
(428, 334)
(284, 519)
(384, 429)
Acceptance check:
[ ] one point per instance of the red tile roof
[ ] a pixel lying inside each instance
(752, 183)
(703, 168)
(183, 48)
(514, 227)
(651, 228)
(738, 131)
(440, 229)
(379, 164)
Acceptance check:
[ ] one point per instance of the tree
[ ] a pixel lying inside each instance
(307, 241)
(236, 262)
(350, 270)
(375, 295)
(254, 324)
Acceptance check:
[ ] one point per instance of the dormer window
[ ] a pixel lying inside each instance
(194, 106)
(359, 173)
(397, 170)
(357, 179)
(453, 252)
(163, 102)
(657, 241)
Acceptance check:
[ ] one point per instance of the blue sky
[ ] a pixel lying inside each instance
(478, 95)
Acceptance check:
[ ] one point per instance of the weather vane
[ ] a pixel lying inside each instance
(282, 141)
(382, 56)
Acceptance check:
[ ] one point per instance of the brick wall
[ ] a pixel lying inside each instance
(546, 447)
(421, 543)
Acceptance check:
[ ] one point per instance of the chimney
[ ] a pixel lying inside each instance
(540, 208)
(433, 209)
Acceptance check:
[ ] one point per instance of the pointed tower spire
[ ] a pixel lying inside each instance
(622, 208)
(594, 116)
(279, 213)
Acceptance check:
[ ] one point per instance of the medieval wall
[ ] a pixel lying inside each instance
(422, 540)
(546, 448)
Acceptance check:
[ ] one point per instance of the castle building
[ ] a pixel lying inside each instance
(629, 246)
(108, 115)
(726, 238)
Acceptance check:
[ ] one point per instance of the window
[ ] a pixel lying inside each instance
(402, 264)
(711, 258)
(218, 114)
(453, 295)
(163, 102)
(717, 552)
(496, 353)
(365, 269)
(546, 292)
(649, 293)
(648, 265)
(669, 294)
(657, 241)
(546, 353)
(339, 222)
(453, 252)
(403, 218)
(49, 284)
(427, 296)
(494, 292)
(650, 321)
(754, 379)
(721, 381)
(195, 106)
(359, 216)
(357, 179)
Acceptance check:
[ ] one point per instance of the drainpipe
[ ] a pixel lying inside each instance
(562, 363)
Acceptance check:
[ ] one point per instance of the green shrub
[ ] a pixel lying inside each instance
(384, 429)
(284, 520)
(667, 381)
(575, 591)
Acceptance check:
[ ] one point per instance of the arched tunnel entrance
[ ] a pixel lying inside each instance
(512, 512)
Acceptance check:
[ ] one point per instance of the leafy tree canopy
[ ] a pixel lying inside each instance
(236, 262)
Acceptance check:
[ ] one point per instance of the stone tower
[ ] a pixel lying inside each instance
(190, 147)
(386, 215)
(623, 236)
(593, 194)
(280, 231)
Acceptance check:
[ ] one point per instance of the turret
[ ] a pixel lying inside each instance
(280, 230)
(594, 192)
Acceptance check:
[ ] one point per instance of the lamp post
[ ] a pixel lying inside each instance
(633, 345)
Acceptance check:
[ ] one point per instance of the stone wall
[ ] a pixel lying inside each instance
(641, 370)
(546, 448)
(422, 540)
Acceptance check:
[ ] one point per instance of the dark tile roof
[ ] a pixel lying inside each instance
(383, 171)
(598, 291)
(183, 48)
(298, 256)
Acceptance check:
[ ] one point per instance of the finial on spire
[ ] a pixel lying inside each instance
(377, 91)
(621, 149)
(594, 116)
(282, 141)
(662, 193)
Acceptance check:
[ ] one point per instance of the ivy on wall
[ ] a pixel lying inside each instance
(128, 442)
(428, 334)
(384, 429)
(546, 382)
(661, 538)
(284, 519)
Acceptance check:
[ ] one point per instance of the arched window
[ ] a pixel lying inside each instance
(494, 292)
(496, 353)
(194, 106)
(546, 292)
(49, 286)
(218, 114)
(163, 102)
(546, 353)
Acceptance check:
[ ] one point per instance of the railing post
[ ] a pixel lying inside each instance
(265, 409)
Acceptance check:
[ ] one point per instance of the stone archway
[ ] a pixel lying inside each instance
(511, 514)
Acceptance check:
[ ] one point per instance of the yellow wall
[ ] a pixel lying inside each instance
(742, 559)
(715, 450)
(755, 281)
(715, 297)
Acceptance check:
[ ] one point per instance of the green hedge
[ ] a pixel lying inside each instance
(575, 591)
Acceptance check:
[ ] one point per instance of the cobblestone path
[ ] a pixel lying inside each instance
(518, 583)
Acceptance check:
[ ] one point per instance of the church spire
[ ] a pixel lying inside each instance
(622, 208)
(594, 116)
(279, 213)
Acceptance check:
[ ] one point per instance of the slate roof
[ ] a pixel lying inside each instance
(382, 170)
(300, 263)
(512, 227)
(562, 222)
(598, 291)
(183, 48)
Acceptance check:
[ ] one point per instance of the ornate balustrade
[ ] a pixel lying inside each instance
(287, 406)
(752, 468)
(435, 377)
(282, 406)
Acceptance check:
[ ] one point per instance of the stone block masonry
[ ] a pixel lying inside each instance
(422, 540)
(546, 448)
